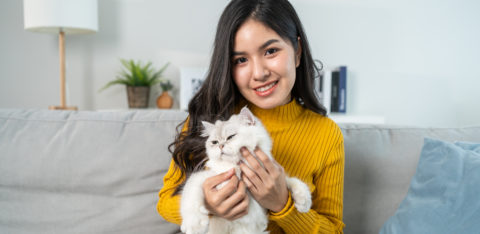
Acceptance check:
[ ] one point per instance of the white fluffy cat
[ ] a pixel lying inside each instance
(225, 138)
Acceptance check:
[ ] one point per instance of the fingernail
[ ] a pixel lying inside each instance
(228, 173)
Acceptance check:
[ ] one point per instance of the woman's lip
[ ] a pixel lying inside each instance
(265, 84)
(268, 91)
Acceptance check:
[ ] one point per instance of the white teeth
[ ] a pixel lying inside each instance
(265, 88)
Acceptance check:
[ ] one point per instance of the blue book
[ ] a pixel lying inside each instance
(342, 89)
(335, 91)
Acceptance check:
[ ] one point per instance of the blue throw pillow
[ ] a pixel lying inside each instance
(444, 194)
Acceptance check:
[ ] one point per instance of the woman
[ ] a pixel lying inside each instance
(261, 58)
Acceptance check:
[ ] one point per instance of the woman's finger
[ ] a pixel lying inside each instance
(240, 210)
(239, 215)
(267, 162)
(250, 177)
(249, 184)
(240, 200)
(254, 164)
(227, 206)
(212, 182)
(215, 197)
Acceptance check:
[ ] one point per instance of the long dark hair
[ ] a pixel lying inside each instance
(219, 96)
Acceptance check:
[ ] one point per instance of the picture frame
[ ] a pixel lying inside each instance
(191, 79)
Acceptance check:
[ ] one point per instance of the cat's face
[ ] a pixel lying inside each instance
(222, 143)
(225, 138)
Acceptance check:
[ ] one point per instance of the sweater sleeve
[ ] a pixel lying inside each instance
(168, 206)
(326, 213)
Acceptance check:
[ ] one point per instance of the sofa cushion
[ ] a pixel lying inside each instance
(84, 172)
(443, 194)
(380, 161)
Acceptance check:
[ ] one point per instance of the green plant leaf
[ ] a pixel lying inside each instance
(114, 82)
(136, 74)
(166, 85)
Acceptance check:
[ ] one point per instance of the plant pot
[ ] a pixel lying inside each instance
(138, 96)
(164, 101)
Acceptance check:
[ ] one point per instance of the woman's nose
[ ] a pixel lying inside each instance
(260, 71)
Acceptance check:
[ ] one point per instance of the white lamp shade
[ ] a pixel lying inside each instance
(53, 16)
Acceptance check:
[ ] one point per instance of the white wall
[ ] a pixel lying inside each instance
(412, 62)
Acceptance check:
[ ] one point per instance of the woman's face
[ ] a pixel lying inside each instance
(264, 65)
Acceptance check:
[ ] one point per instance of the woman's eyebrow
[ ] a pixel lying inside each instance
(266, 44)
(262, 47)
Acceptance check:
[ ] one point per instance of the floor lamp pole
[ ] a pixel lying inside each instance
(63, 103)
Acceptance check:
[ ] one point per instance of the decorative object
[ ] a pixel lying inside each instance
(191, 79)
(443, 194)
(165, 101)
(138, 79)
(61, 17)
(138, 96)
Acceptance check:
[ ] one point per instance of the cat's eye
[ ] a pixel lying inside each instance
(230, 137)
(214, 142)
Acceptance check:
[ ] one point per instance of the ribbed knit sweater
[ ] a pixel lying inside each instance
(310, 147)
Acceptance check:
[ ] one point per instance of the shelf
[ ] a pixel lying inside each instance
(337, 117)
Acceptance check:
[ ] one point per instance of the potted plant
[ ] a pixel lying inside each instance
(165, 101)
(138, 79)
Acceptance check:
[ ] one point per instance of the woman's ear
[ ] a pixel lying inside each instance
(298, 53)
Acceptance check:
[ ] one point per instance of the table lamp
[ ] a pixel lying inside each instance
(61, 17)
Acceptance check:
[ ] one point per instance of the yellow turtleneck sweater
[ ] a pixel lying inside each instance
(310, 147)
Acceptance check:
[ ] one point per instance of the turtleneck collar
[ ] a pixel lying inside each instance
(283, 114)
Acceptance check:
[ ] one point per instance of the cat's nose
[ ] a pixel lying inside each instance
(221, 146)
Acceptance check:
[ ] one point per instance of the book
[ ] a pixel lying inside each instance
(317, 87)
(334, 92)
(325, 82)
(342, 90)
(339, 90)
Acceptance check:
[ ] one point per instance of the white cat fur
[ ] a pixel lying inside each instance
(247, 131)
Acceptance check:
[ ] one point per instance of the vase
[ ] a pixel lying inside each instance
(164, 101)
(138, 96)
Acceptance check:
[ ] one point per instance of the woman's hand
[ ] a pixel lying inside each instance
(229, 202)
(267, 184)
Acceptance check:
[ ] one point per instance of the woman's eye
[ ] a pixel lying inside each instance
(240, 60)
(214, 142)
(271, 51)
(230, 137)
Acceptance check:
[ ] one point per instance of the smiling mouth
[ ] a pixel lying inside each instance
(267, 89)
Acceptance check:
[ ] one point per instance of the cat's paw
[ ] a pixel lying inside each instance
(303, 203)
(300, 195)
(203, 210)
(195, 224)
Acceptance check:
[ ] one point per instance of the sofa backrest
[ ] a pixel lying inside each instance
(100, 172)
(84, 172)
(380, 162)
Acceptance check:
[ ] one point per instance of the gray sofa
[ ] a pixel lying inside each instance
(99, 172)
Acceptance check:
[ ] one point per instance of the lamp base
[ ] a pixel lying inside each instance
(62, 108)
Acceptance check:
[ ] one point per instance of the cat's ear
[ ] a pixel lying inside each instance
(247, 116)
(207, 128)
